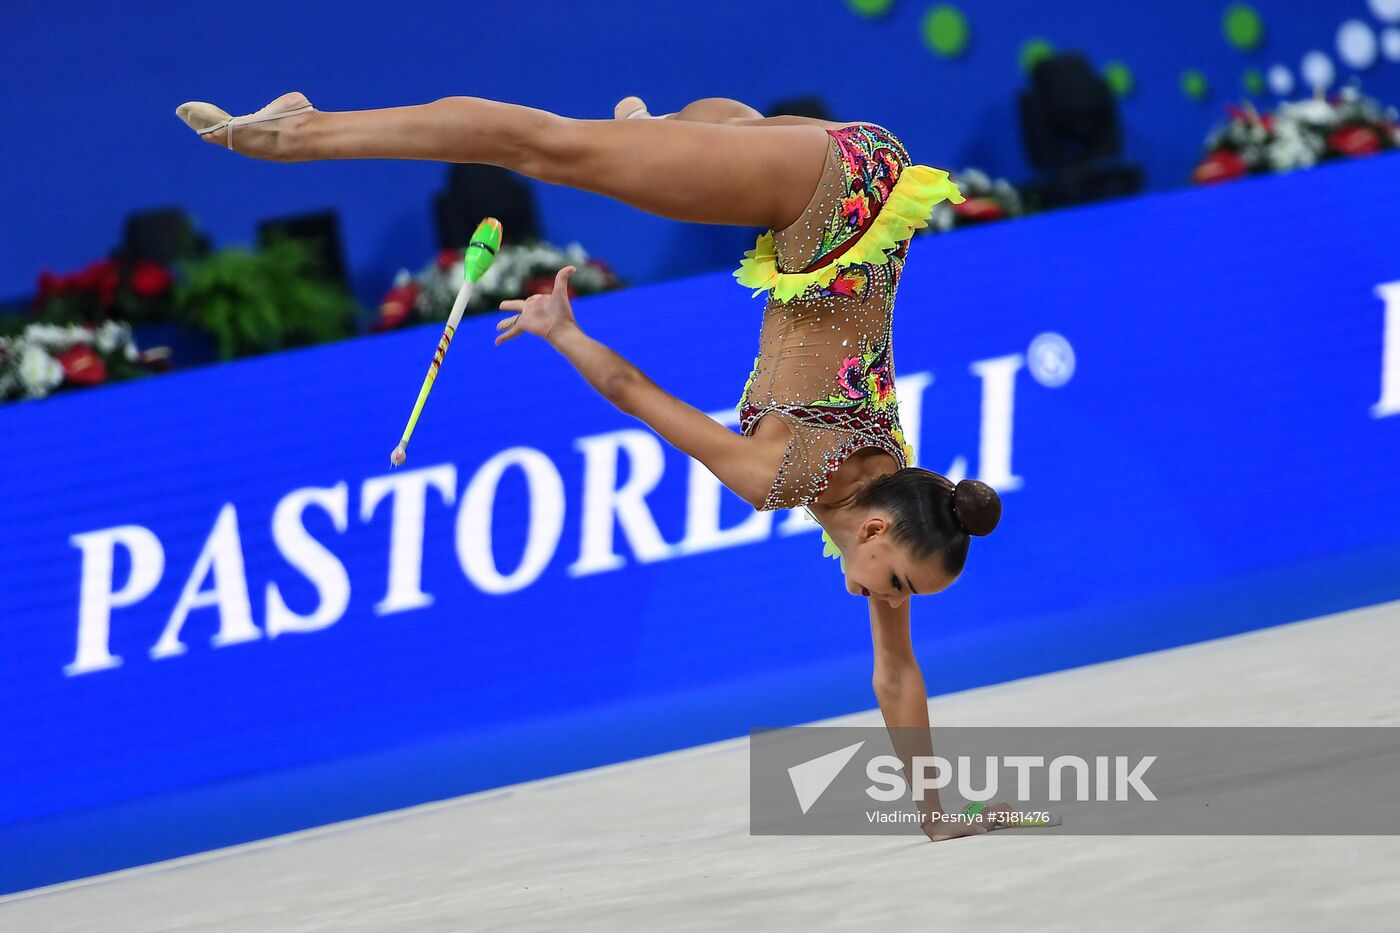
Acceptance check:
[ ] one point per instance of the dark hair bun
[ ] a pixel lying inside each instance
(977, 507)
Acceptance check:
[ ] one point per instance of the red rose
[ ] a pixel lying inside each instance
(979, 209)
(1223, 165)
(448, 258)
(1354, 141)
(82, 366)
(95, 276)
(149, 280)
(396, 306)
(100, 278)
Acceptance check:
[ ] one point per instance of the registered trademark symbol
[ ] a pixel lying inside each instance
(1050, 360)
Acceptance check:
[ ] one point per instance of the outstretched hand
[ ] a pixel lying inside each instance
(538, 314)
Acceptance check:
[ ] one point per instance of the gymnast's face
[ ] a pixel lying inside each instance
(882, 569)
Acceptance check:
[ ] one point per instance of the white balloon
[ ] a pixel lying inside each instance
(1356, 44)
(1387, 10)
(1318, 71)
(1280, 81)
(1390, 44)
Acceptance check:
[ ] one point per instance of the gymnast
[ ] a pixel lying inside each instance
(819, 425)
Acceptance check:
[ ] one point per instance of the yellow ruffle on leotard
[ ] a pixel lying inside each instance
(829, 549)
(907, 209)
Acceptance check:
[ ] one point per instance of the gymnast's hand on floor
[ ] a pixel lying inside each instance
(539, 314)
(956, 825)
(953, 828)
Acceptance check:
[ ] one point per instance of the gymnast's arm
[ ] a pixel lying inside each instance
(746, 465)
(899, 688)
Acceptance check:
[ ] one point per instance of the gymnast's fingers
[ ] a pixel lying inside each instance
(512, 304)
(510, 328)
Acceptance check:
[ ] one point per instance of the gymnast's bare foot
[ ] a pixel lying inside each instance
(275, 132)
(630, 107)
(634, 107)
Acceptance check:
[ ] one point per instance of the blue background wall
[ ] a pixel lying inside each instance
(91, 89)
(1212, 464)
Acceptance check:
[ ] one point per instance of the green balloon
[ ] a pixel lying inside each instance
(1033, 51)
(945, 30)
(1253, 81)
(870, 7)
(1194, 84)
(1119, 77)
(1242, 26)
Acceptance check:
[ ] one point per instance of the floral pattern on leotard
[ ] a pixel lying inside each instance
(850, 282)
(874, 161)
(863, 379)
(863, 409)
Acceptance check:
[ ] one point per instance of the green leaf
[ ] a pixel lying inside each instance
(256, 301)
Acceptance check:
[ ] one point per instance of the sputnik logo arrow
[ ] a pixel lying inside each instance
(811, 778)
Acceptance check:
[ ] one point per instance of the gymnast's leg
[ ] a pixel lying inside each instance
(700, 172)
(705, 110)
(717, 110)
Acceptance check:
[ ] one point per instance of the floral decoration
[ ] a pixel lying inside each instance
(1300, 134)
(519, 270)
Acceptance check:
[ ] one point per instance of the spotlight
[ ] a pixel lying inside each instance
(476, 191)
(1071, 131)
(319, 229)
(162, 235)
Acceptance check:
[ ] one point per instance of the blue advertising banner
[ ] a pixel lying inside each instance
(1190, 404)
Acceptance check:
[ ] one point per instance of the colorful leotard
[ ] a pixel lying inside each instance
(825, 365)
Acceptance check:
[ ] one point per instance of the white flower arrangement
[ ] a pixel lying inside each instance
(515, 267)
(55, 338)
(115, 337)
(974, 183)
(38, 372)
(1300, 134)
(29, 363)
